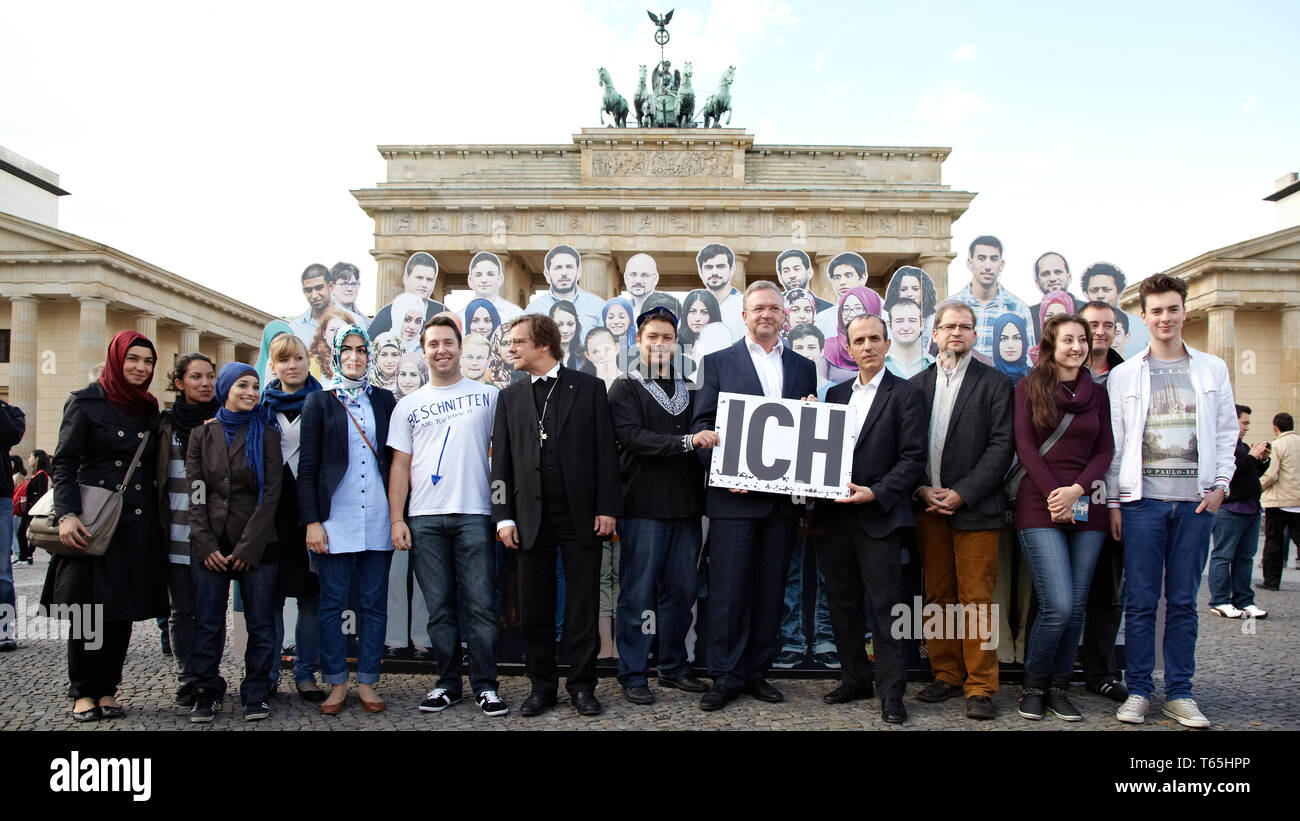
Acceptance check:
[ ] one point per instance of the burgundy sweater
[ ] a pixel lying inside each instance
(1080, 457)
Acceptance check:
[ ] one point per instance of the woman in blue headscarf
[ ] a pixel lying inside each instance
(481, 317)
(1010, 353)
(343, 496)
(618, 317)
(237, 465)
(273, 329)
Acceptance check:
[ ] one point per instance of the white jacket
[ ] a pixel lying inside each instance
(1129, 386)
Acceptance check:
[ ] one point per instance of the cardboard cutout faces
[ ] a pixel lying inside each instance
(716, 263)
(486, 276)
(986, 296)
(418, 279)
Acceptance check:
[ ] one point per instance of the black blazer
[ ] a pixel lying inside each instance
(732, 371)
(323, 443)
(13, 424)
(585, 437)
(979, 446)
(888, 457)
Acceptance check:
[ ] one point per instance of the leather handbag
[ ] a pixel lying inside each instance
(100, 510)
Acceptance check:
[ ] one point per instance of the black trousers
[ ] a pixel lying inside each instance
(748, 561)
(1276, 521)
(1102, 614)
(857, 564)
(536, 565)
(95, 663)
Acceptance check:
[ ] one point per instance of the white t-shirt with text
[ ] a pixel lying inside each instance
(448, 432)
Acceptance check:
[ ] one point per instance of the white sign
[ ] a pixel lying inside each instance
(783, 446)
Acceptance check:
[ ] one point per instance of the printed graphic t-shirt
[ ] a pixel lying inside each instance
(447, 431)
(1169, 439)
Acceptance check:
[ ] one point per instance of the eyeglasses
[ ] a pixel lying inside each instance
(347, 283)
(950, 327)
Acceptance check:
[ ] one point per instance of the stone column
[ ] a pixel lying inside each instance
(23, 317)
(225, 352)
(597, 274)
(189, 340)
(389, 282)
(1222, 337)
(146, 324)
(738, 272)
(937, 267)
(93, 345)
(1290, 397)
(518, 284)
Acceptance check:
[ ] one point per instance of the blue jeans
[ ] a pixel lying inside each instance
(8, 620)
(306, 639)
(1164, 543)
(211, 594)
(1061, 563)
(455, 565)
(1232, 559)
(335, 572)
(792, 630)
(656, 575)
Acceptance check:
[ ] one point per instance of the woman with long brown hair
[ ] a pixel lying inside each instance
(321, 349)
(1065, 444)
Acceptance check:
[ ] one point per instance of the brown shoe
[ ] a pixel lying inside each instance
(980, 707)
(374, 706)
(333, 709)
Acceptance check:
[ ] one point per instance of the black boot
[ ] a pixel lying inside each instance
(1032, 695)
(1058, 699)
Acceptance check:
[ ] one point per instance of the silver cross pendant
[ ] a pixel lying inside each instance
(541, 434)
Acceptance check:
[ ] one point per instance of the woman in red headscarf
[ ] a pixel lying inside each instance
(103, 425)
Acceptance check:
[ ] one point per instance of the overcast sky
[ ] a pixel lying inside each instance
(221, 141)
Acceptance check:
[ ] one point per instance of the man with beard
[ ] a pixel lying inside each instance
(563, 269)
(794, 270)
(1052, 273)
(316, 288)
(716, 264)
(641, 277)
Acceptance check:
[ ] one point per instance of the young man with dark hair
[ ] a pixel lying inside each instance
(1236, 530)
(1104, 282)
(909, 351)
(440, 436)
(663, 500)
(846, 271)
(1175, 428)
(1281, 499)
(716, 264)
(316, 289)
(556, 493)
(418, 277)
(986, 296)
(794, 270)
(562, 267)
(485, 279)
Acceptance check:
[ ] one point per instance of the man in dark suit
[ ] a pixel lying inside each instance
(861, 549)
(751, 534)
(555, 490)
(962, 506)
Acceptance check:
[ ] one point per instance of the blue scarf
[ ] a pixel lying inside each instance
(280, 402)
(254, 422)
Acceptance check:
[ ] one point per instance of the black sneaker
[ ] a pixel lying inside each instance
(205, 709)
(187, 694)
(490, 703)
(438, 699)
(1113, 689)
(256, 711)
(1058, 703)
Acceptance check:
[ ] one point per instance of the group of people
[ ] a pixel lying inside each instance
(577, 433)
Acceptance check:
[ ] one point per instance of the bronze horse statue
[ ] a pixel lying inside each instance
(642, 102)
(612, 103)
(686, 100)
(719, 101)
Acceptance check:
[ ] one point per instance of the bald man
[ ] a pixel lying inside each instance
(640, 277)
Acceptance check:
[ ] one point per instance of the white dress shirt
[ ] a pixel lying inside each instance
(864, 395)
(768, 366)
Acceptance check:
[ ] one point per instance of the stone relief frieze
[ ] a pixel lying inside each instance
(661, 164)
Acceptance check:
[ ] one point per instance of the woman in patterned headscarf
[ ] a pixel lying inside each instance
(383, 369)
(501, 370)
(343, 495)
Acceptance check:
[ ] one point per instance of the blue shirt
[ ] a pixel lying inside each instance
(359, 507)
(588, 304)
(1003, 302)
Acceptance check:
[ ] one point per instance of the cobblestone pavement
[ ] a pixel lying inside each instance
(1243, 682)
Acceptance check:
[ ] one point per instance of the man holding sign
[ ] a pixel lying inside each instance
(861, 547)
(751, 533)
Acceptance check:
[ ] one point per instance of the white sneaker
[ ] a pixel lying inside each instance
(1226, 610)
(1133, 710)
(1186, 713)
(1254, 612)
